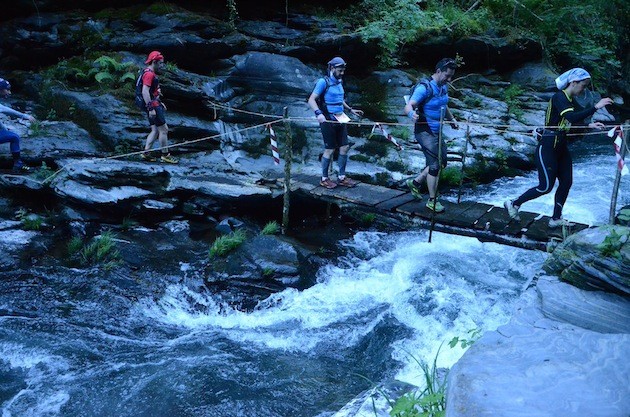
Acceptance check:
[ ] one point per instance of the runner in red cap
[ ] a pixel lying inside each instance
(148, 95)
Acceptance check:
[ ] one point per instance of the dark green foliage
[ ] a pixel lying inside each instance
(450, 176)
(588, 33)
(100, 251)
(396, 166)
(374, 148)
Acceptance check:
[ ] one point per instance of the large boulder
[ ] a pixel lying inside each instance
(595, 258)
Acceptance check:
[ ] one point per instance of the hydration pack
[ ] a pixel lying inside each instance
(321, 100)
(139, 100)
(421, 124)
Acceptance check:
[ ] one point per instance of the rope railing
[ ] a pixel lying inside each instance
(525, 129)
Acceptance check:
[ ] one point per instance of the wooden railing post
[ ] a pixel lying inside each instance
(437, 182)
(464, 154)
(288, 157)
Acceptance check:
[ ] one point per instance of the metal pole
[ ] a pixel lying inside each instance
(461, 180)
(288, 156)
(437, 182)
(613, 200)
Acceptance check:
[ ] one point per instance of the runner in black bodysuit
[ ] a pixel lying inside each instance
(553, 158)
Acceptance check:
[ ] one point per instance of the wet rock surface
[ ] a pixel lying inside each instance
(562, 352)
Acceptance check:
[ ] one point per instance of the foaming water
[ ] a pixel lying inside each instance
(437, 290)
(590, 195)
(390, 300)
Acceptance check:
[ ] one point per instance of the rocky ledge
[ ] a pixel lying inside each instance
(564, 352)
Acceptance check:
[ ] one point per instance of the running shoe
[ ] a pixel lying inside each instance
(327, 183)
(347, 182)
(512, 209)
(415, 191)
(20, 167)
(146, 156)
(435, 206)
(167, 158)
(553, 223)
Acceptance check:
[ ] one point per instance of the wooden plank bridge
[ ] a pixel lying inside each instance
(469, 218)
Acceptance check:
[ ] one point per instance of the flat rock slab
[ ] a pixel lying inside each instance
(594, 310)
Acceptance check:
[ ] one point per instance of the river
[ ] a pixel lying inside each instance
(68, 348)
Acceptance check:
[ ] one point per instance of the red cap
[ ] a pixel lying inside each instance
(154, 56)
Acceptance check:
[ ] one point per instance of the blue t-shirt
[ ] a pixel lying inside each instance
(431, 109)
(333, 97)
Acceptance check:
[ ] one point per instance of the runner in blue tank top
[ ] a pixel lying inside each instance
(327, 111)
(427, 128)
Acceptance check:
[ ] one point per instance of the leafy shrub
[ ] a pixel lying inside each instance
(451, 176)
(612, 244)
(510, 95)
(30, 221)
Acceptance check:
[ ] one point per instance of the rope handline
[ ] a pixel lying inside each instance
(175, 145)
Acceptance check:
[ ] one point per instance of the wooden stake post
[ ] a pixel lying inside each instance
(288, 156)
(613, 200)
(437, 188)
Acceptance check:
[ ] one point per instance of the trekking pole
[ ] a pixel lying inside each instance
(461, 179)
(613, 200)
(437, 181)
(288, 155)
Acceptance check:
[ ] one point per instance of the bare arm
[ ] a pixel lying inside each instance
(313, 105)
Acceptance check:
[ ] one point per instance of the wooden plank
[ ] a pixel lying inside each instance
(460, 218)
(452, 216)
(516, 228)
(494, 220)
(540, 230)
(364, 194)
(411, 207)
(393, 203)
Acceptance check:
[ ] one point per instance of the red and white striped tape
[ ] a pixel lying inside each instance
(617, 134)
(274, 146)
(388, 136)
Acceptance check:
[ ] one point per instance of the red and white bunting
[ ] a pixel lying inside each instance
(616, 133)
(274, 146)
(388, 136)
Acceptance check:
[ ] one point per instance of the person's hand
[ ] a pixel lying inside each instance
(603, 103)
(321, 118)
(356, 112)
(413, 115)
(596, 125)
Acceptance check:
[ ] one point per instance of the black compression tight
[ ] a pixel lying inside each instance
(553, 160)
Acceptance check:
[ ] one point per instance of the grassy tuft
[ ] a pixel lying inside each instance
(271, 228)
(225, 244)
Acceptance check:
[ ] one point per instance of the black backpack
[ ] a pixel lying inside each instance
(321, 101)
(421, 124)
(139, 100)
